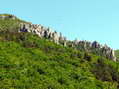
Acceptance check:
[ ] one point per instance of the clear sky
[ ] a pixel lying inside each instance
(83, 19)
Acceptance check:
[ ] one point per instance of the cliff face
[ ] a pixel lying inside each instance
(47, 33)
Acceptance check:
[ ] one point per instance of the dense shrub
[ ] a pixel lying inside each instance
(105, 72)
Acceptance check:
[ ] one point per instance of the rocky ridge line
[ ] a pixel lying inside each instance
(58, 38)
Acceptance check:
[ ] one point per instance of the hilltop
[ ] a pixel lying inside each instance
(38, 59)
(47, 33)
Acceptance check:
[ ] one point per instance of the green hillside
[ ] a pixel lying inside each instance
(10, 24)
(117, 53)
(29, 62)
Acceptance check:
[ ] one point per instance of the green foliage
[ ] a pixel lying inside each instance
(117, 54)
(29, 62)
(109, 72)
(10, 25)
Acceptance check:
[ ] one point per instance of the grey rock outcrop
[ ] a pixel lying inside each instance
(58, 38)
(43, 32)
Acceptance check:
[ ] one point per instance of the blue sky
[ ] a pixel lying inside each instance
(83, 19)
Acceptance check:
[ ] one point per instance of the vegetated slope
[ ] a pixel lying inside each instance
(117, 54)
(9, 24)
(29, 62)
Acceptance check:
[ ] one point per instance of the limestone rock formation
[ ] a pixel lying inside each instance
(58, 38)
(43, 32)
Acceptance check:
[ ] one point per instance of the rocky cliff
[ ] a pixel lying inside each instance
(58, 38)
